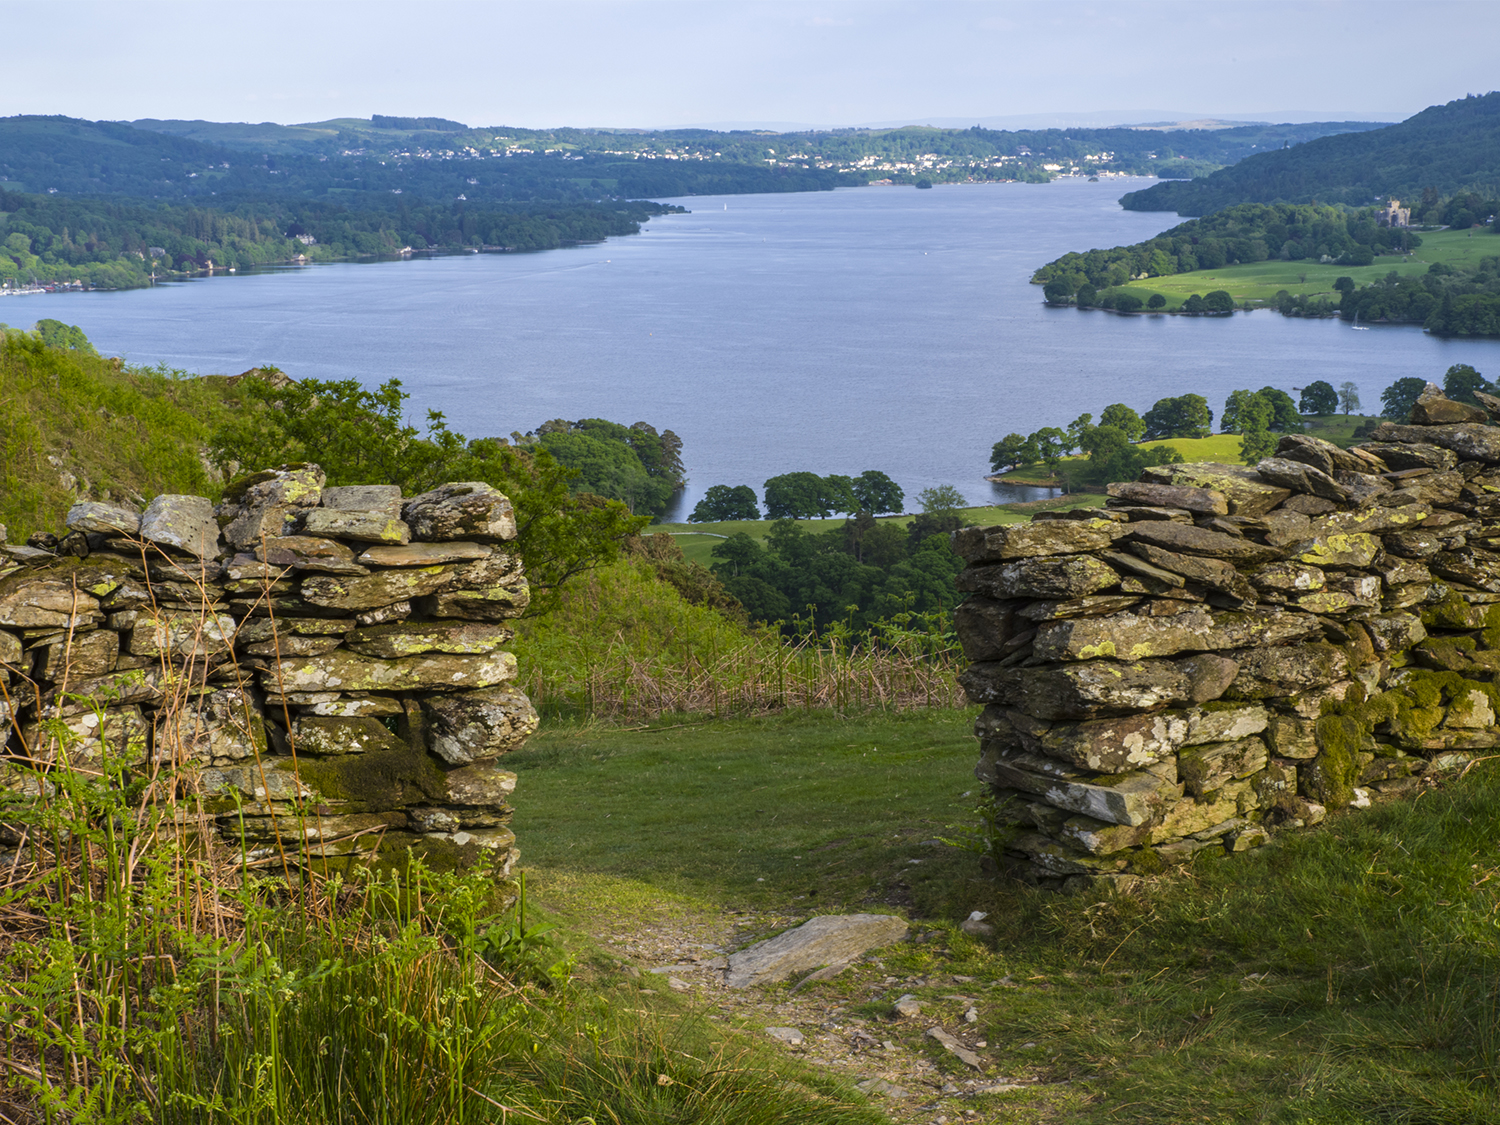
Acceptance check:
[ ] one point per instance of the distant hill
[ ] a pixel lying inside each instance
(1447, 148)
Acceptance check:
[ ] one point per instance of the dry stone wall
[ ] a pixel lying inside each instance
(325, 667)
(1223, 651)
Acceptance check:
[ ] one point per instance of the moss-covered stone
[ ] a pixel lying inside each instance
(1330, 777)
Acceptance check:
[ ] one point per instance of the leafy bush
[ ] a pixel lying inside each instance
(360, 436)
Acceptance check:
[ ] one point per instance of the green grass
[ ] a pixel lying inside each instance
(1258, 282)
(121, 432)
(1223, 448)
(823, 808)
(1348, 974)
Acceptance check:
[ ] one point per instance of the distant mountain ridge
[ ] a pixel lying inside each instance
(1445, 149)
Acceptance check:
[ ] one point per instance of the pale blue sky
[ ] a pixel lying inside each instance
(661, 63)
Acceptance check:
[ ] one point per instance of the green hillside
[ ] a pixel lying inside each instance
(78, 426)
(1445, 149)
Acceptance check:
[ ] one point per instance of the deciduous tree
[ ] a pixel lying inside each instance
(1349, 396)
(1397, 400)
(1319, 397)
(723, 502)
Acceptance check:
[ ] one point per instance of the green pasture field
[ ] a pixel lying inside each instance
(1344, 975)
(697, 539)
(1259, 282)
(1223, 448)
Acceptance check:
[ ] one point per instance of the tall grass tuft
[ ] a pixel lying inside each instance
(624, 645)
(147, 974)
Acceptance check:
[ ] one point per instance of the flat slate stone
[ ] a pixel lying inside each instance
(1085, 690)
(308, 552)
(384, 499)
(817, 942)
(103, 519)
(1300, 477)
(475, 725)
(424, 554)
(1190, 540)
(495, 603)
(1102, 745)
(1352, 549)
(1064, 576)
(412, 638)
(1440, 411)
(184, 522)
(371, 591)
(362, 527)
(350, 672)
(954, 1047)
(1244, 491)
(1033, 540)
(1401, 457)
(461, 510)
(263, 504)
(1327, 457)
(1472, 442)
(1206, 500)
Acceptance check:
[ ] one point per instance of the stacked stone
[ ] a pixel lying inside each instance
(324, 665)
(1222, 651)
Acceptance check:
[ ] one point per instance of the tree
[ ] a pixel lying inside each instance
(941, 499)
(360, 436)
(1186, 416)
(1124, 419)
(1343, 285)
(1319, 397)
(1112, 457)
(1284, 416)
(1077, 428)
(1010, 452)
(838, 494)
(1051, 445)
(56, 334)
(1087, 295)
(1245, 411)
(607, 466)
(1128, 302)
(1057, 292)
(795, 496)
(1461, 381)
(1257, 445)
(721, 502)
(877, 492)
(1349, 396)
(1157, 301)
(1219, 301)
(1397, 400)
(1194, 304)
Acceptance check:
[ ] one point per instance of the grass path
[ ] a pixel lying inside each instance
(1346, 975)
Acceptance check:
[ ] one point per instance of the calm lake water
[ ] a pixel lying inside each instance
(874, 328)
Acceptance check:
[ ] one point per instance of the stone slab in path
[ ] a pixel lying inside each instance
(817, 942)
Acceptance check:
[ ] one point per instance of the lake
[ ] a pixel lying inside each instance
(870, 328)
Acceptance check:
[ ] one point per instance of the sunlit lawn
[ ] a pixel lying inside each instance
(1260, 281)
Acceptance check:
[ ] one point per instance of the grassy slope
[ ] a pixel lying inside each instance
(1260, 281)
(1346, 975)
(130, 433)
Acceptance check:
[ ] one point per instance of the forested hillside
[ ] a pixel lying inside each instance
(109, 244)
(1252, 232)
(1442, 151)
(347, 158)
